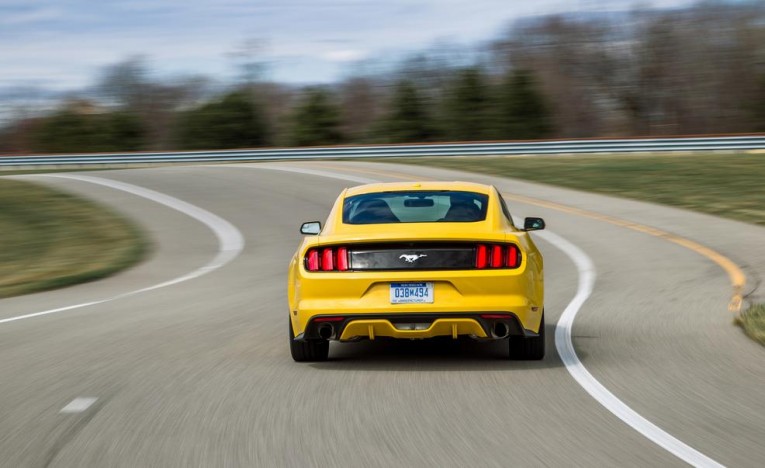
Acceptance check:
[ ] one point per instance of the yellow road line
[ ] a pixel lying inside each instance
(735, 274)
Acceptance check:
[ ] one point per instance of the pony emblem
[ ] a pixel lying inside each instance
(411, 258)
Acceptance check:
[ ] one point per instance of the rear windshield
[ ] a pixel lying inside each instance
(415, 207)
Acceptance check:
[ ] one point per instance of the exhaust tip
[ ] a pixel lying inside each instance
(500, 330)
(326, 331)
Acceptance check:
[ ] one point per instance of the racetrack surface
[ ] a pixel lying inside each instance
(198, 373)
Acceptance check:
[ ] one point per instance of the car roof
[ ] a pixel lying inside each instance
(414, 186)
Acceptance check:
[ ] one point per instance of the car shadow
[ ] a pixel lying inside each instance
(436, 354)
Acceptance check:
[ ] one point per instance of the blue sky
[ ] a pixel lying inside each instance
(62, 44)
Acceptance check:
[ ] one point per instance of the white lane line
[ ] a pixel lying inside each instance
(565, 347)
(230, 240)
(587, 381)
(78, 405)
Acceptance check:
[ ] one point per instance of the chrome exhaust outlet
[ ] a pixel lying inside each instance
(326, 330)
(500, 330)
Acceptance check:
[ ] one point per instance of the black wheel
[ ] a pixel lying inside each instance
(529, 349)
(308, 350)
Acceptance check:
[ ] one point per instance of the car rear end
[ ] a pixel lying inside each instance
(415, 280)
(370, 290)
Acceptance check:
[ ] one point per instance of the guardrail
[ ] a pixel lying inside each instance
(730, 143)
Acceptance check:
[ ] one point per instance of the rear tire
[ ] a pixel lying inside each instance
(531, 348)
(308, 350)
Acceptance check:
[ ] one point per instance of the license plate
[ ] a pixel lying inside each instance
(411, 293)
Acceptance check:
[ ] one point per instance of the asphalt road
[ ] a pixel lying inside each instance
(198, 372)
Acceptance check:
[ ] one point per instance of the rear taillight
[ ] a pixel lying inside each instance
(497, 256)
(513, 258)
(312, 260)
(342, 259)
(481, 256)
(487, 256)
(327, 259)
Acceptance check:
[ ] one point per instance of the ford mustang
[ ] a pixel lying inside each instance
(415, 261)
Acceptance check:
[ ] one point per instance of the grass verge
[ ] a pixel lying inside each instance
(50, 239)
(753, 322)
(727, 185)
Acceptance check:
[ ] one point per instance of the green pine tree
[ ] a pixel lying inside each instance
(468, 108)
(122, 131)
(231, 122)
(408, 120)
(523, 112)
(72, 132)
(315, 120)
(65, 132)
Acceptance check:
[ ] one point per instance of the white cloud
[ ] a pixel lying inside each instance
(315, 38)
(344, 55)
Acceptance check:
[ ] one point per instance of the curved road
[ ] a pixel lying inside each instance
(197, 372)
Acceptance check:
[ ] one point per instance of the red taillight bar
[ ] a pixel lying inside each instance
(342, 258)
(513, 256)
(497, 256)
(481, 256)
(327, 259)
(486, 256)
(312, 260)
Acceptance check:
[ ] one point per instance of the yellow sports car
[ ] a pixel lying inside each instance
(417, 260)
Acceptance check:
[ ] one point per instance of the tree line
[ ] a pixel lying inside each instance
(473, 110)
(692, 70)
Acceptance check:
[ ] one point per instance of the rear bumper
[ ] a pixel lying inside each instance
(456, 294)
(412, 326)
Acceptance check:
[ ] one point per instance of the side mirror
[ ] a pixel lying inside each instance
(312, 228)
(533, 224)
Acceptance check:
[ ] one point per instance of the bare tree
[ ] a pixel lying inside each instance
(129, 86)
